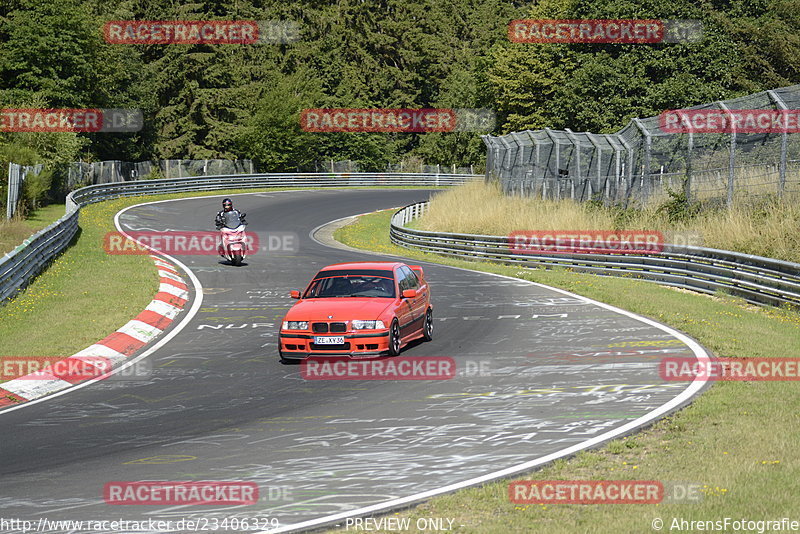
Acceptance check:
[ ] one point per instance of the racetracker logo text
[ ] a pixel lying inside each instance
(200, 31)
(586, 492)
(70, 120)
(730, 369)
(172, 243)
(49, 367)
(679, 121)
(378, 120)
(585, 242)
(400, 368)
(586, 31)
(181, 493)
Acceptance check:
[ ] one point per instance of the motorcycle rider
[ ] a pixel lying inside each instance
(228, 218)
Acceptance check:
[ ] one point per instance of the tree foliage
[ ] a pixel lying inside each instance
(243, 101)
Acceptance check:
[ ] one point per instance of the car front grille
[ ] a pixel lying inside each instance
(322, 328)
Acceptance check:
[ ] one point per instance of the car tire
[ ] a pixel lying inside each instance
(427, 327)
(394, 338)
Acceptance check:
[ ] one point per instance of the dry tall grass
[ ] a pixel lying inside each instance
(766, 228)
(12, 233)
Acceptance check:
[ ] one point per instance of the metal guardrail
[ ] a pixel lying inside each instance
(19, 266)
(756, 279)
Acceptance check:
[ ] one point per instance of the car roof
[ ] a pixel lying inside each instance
(378, 265)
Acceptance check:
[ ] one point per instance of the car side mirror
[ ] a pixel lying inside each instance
(409, 293)
(295, 294)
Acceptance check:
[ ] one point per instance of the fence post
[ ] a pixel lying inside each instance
(617, 169)
(648, 146)
(689, 150)
(732, 155)
(577, 151)
(13, 178)
(627, 176)
(784, 143)
(598, 150)
(521, 158)
(487, 140)
(554, 140)
(505, 178)
(535, 164)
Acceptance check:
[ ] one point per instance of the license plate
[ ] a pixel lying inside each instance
(335, 340)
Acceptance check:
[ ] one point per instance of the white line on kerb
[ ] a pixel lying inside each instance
(198, 301)
(176, 329)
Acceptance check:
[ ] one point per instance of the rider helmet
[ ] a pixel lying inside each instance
(227, 204)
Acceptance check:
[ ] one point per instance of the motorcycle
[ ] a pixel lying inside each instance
(233, 244)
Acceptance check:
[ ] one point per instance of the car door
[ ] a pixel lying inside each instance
(405, 310)
(421, 302)
(417, 304)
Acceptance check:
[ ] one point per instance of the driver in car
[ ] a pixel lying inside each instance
(380, 285)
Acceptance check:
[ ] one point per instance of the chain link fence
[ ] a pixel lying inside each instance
(644, 161)
(16, 181)
(104, 172)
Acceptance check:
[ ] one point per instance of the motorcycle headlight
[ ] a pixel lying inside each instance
(295, 325)
(367, 325)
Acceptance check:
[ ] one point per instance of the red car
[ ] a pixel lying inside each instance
(361, 310)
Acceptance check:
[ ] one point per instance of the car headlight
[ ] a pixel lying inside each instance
(295, 325)
(367, 325)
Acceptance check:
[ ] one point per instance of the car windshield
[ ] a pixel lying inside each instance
(356, 285)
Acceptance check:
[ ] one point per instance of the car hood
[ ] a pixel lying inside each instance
(341, 309)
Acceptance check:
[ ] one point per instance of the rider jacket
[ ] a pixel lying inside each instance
(230, 219)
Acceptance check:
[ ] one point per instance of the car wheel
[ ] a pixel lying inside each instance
(427, 329)
(394, 339)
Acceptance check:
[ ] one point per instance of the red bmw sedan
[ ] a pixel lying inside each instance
(360, 310)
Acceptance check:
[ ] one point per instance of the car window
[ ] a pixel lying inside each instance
(402, 282)
(414, 281)
(407, 278)
(364, 285)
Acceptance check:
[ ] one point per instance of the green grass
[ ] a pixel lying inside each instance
(738, 440)
(15, 231)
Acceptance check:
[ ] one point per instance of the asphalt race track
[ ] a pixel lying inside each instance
(539, 371)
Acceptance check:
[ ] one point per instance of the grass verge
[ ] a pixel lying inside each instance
(15, 231)
(766, 227)
(738, 441)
